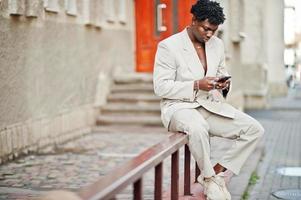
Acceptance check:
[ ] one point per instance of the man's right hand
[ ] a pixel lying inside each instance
(207, 83)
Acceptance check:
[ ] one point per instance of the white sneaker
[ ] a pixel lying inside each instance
(215, 187)
(221, 176)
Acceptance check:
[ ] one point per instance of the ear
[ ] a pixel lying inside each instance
(193, 20)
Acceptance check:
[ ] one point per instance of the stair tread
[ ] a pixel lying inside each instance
(129, 119)
(133, 77)
(131, 113)
(138, 96)
(133, 87)
(136, 106)
(131, 102)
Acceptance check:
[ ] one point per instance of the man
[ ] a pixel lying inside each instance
(186, 76)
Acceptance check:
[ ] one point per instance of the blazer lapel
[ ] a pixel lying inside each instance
(191, 57)
(210, 56)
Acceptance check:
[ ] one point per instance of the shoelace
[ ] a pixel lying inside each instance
(218, 182)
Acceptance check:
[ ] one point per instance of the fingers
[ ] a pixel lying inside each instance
(221, 85)
(227, 82)
(211, 83)
(212, 78)
(225, 85)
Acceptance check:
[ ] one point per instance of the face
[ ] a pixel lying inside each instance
(203, 30)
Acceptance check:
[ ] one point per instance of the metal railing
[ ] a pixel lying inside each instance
(133, 170)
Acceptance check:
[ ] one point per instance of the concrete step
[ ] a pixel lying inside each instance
(129, 120)
(133, 98)
(133, 87)
(129, 129)
(131, 108)
(129, 114)
(133, 78)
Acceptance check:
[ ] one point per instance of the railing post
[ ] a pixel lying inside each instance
(197, 172)
(133, 170)
(175, 175)
(158, 181)
(187, 175)
(138, 189)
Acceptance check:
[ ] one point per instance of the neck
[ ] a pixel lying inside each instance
(193, 38)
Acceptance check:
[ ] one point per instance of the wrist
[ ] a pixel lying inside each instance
(196, 85)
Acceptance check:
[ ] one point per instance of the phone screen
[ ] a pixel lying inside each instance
(223, 79)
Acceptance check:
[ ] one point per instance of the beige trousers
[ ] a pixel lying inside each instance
(199, 124)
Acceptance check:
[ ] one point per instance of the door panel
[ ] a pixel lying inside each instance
(155, 21)
(184, 15)
(144, 34)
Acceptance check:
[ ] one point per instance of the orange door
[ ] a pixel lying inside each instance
(156, 20)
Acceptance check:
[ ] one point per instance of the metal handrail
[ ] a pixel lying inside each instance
(132, 171)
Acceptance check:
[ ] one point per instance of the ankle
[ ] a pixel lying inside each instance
(219, 168)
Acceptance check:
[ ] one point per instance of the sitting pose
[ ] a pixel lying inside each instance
(191, 78)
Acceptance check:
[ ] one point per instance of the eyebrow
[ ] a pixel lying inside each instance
(208, 28)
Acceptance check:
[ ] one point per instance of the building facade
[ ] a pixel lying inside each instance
(56, 62)
(58, 57)
(254, 48)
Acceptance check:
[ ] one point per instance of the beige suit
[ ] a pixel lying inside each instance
(176, 68)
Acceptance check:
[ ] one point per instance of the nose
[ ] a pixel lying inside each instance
(209, 34)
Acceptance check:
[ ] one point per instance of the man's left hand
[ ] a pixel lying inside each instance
(222, 85)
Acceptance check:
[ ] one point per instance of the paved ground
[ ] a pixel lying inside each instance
(83, 161)
(75, 164)
(282, 147)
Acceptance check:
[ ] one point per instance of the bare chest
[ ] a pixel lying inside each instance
(202, 57)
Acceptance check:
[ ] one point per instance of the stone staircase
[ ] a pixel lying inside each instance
(131, 102)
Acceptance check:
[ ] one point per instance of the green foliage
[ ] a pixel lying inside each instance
(245, 196)
(252, 181)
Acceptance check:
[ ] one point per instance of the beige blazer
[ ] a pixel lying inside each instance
(177, 66)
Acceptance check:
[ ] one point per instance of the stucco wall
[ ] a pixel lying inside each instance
(254, 47)
(53, 66)
(274, 14)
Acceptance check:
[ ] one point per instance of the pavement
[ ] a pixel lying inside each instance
(282, 148)
(83, 161)
(75, 164)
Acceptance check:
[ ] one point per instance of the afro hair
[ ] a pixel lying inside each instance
(206, 9)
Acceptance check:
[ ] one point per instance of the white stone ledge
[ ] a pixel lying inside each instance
(16, 7)
(33, 8)
(52, 6)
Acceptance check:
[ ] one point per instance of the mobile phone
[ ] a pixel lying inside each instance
(223, 78)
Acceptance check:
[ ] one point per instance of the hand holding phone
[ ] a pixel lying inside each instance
(223, 79)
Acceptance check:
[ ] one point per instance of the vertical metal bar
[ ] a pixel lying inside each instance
(197, 172)
(175, 175)
(156, 3)
(187, 176)
(138, 189)
(158, 181)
